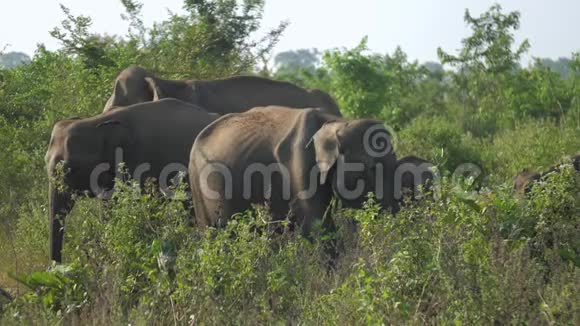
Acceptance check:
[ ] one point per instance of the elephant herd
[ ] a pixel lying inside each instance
(242, 140)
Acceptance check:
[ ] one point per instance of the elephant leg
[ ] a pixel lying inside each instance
(213, 196)
(231, 207)
(279, 211)
(217, 212)
(60, 204)
(307, 212)
(310, 212)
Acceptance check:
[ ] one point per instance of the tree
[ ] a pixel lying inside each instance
(484, 69)
(560, 66)
(301, 67)
(433, 67)
(13, 59)
(297, 59)
(374, 85)
(76, 39)
(213, 39)
(490, 47)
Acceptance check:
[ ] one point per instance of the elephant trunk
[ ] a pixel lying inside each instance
(60, 204)
(389, 200)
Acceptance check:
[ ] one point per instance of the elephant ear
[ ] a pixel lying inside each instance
(118, 98)
(154, 88)
(108, 123)
(116, 133)
(327, 147)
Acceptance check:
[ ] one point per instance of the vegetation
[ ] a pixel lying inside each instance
(474, 254)
(12, 59)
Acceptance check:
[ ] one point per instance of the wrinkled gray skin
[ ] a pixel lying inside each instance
(413, 172)
(229, 95)
(157, 133)
(297, 139)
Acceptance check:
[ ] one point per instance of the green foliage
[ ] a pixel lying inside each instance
(375, 85)
(448, 261)
(489, 48)
(560, 66)
(52, 287)
(446, 144)
(358, 81)
(535, 145)
(488, 259)
(76, 39)
(302, 67)
(486, 65)
(539, 92)
(214, 39)
(309, 78)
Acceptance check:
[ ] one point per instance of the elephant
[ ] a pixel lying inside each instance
(294, 161)
(411, 173)
(228, 95)
(152, 139)
(525, 179)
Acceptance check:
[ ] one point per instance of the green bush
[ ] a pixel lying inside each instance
(536, 145)
(461, 259)
(440, 141)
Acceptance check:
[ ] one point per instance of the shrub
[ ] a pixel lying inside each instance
(535, 145)
(463, 258)
(438, 140)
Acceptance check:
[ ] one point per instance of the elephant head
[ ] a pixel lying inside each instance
(411, 173)
(357, 157)
(131, 86)
(75, 151)
(136, 85)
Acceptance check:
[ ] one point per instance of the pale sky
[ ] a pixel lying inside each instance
(418, 26)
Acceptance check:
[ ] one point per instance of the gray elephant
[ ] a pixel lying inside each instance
(411, 173)
(229, 95)
(295, 161)
(153, 139)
